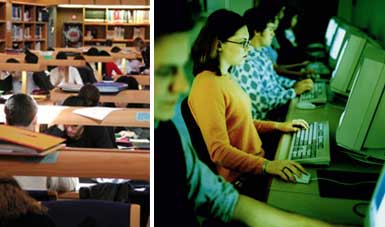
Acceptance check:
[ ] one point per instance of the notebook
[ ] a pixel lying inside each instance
(22, 142)
(110, 87)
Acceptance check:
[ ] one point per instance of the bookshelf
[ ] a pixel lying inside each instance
(28, 28)
(121, 24)
(2, 26)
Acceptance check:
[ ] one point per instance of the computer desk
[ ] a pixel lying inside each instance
(125, 96)
(109, 163)
(305, 198)
(131, 117)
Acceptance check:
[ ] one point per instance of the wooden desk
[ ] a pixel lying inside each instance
(109, 164)
(305, 198)
(125, 96)
(63, 115)
(143, 80)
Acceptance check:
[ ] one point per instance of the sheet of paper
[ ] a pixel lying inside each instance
(97, 113)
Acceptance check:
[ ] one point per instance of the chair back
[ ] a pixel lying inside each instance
(196, 136)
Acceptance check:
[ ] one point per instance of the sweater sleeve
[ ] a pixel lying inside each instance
(207, 104)
(264, 126)
(285, 82)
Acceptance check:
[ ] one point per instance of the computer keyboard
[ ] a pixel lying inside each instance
(312, 145)
(315, 95)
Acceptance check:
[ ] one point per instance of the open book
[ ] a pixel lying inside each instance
(22, 142)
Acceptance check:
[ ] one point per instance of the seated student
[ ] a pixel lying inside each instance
(290, 51)
(21, 111)
(16, 78)
(109, 69)
(86, 72)
(18, 209)
(57, 75)
(141, 47)
(5, 82)
(256, 75)
(41, 79)
(91, 94)
(82, 136)
(182, 181)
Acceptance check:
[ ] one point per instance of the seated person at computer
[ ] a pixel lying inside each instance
(21, 111)
(82, 136)
(257, 77)
(222, 109)
(58, 77)
(18, 208)
(182, 181)
(290, 51)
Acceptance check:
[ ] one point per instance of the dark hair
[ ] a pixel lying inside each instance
(11, 60)
(108, 42)
(132, 83)
(20, 110)
(14, 201)
(271, 7)
(74, 101)
(183, 17)
(61, 55)
(79, 57)
(93, 51)
(219, 26)
(50, 49)
(115, 49)
(256, 20)
(91, 94)
(30, 57)
(103, 53)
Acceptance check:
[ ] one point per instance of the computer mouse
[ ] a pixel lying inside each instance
(305, 106)
(304, 179)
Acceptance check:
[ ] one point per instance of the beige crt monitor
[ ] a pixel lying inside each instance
(348, 62)
(361, 127)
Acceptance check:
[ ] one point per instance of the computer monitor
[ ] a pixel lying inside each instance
(376, 211)
(330, 32)
(336, 45)
(342, 77)
(361, 127)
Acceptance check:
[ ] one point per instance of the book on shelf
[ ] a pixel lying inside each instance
(16, 141)
(139, 32)
(95, 16)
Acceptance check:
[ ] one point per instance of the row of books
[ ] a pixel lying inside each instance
(20, 33)
(18, 15)
(118, 16)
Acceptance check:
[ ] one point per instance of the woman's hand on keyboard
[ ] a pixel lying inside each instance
(302, 86)
(285, 169)
(292, 126)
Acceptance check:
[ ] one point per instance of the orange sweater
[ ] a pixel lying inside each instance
(223, 113)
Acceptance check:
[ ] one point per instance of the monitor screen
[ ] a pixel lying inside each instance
(336, 46)
(331, 29)
(361, 126)
(375, 217)
(348, 61)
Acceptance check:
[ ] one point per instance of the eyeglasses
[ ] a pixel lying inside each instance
(245, 44)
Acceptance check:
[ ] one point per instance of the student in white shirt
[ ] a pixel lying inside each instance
(57, 75)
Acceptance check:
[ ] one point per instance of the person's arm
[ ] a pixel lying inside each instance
(116, 69)
(63, 184)
(74, 73)
(210, 116)
(101, 137)
(255, 213)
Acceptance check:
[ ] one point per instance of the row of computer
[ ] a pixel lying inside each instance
(358, 78)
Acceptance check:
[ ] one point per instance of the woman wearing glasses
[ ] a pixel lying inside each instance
(222, 109)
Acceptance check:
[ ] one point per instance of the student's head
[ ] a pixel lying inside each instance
(30, 57)
(139, 44)
(223, 41)
(171, 53)
(61, 56)
(74, 131)
(132, 84)
(274, 8)
(91, 94)
(93, 51)
(15, 202)
(261, 27)
(21, 110)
